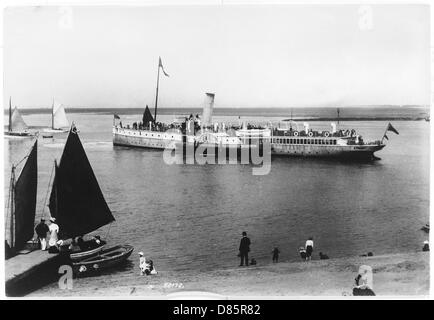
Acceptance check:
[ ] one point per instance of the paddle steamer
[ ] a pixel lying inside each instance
(203, 132)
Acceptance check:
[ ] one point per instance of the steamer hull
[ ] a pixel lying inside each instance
(339, 152)
(145, 138)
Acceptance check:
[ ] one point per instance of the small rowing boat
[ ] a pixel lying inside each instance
(105, 259)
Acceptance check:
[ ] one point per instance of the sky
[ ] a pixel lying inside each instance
(249, 56)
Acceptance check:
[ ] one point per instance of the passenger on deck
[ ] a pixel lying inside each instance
(81, 244)
(95, 242)
(41, 231)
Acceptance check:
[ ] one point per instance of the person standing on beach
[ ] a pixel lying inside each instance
(142, 263)
(54, 231)
(244, 249)
(41, 231)
(309, 248)
(276, 254)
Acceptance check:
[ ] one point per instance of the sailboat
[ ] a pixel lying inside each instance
(76, 200)
(17, 127)
(59, 121)
(22, 204)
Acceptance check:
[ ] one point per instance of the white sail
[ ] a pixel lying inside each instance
(207, 109)
(17, 121)
(59, 117)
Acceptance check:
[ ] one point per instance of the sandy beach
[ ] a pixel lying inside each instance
(404, 274)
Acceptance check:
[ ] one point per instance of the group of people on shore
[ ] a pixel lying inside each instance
(305, 252)
(50, 232)
(54, 245)
(363, 285)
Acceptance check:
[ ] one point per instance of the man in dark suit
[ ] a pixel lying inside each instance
(244, 249)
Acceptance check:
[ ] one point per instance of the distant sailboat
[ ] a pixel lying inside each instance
(59, 121)
(76, 200)
(22, 204)
(17, 127)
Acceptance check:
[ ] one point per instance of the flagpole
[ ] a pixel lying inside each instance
(156, 95)
(387, 128)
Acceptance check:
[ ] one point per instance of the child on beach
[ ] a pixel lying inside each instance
(302, 252)
(275, 254)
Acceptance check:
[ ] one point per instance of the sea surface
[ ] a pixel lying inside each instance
(190, 217)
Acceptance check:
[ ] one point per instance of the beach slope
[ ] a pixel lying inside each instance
(404, 274)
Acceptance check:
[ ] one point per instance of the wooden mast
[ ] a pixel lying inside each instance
(12, 208)
(10, 115)
(52, 115)
(156, 95)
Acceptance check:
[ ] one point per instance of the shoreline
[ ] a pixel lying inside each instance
(401, 274)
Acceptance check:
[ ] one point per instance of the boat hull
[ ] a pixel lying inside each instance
(105, 259)
(340, 152)
(49, 130)
(144, 138)
(85, 254)
(162, 140)
(18, 135)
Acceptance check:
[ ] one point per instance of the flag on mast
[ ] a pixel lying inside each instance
(390, 128)
(160, 65)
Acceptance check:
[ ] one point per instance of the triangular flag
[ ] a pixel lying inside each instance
(160, 65)
(390, 128)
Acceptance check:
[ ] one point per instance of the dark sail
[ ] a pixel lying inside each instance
(25, 199)
(147, 117)
(76, 200)
(53, 196)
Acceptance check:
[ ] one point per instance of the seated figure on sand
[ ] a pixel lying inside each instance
(425, 246)
(323, 256)
(146, 266)
(364, 284)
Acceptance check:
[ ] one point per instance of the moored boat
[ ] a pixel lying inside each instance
(103, 260)
(22, 204)
(59, 121)
(17, 127)
(76, 200)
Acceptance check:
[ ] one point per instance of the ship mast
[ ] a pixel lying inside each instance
(52, 115)
(10, 115)
(290, 122)
(156, 94)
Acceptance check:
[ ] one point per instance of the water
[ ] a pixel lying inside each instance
(190, 217)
